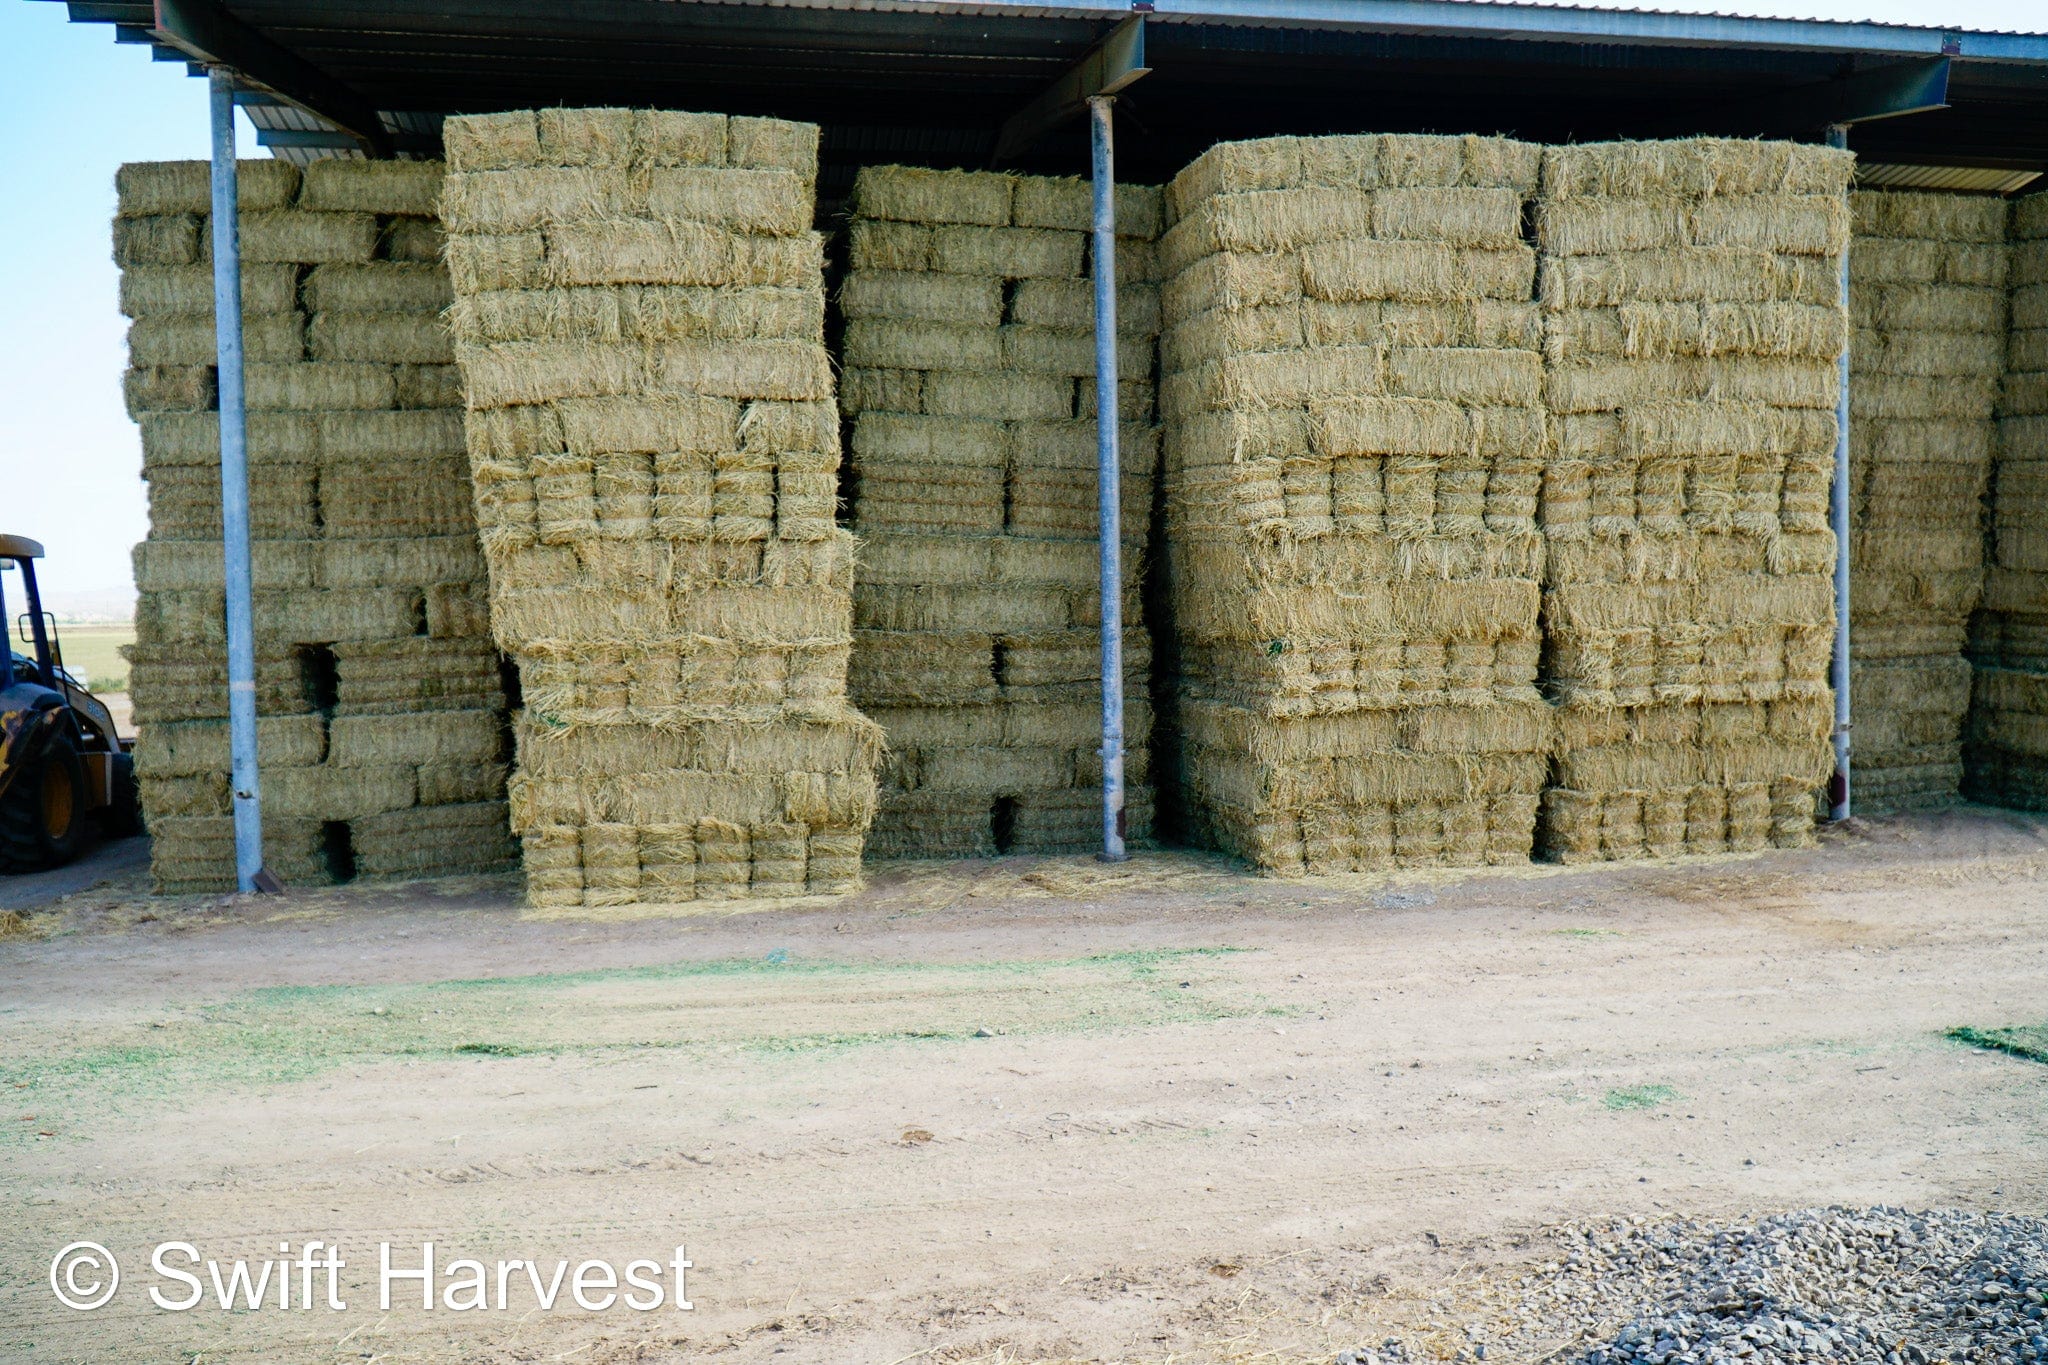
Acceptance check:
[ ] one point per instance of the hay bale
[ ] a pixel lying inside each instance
(416, 240)
(410, 338)
(638, 322)
(144, 189)
(336, 185)
(433, 841)
(195, 854)
(163, 239)
(165, 291)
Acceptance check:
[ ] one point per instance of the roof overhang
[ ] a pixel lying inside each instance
(935, 81)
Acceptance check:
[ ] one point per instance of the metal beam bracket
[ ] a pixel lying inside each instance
(210, 36)
(1111, 65)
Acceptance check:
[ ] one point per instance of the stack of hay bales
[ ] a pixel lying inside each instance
(1927, 299)
(1693, 329)
(382, 722)
(1355, 439)
(639, 320)
(969, 362)
(2006, 748)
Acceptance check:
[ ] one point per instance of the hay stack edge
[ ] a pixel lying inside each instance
(1927, 298)
(2006, 747)
(381, 718)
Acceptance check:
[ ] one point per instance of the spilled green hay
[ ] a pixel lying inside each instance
(2029, 1042)
(264, 1040)
(1627, 1097)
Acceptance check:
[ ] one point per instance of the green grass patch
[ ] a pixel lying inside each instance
(1587, 933)
(771, 1006)
(1638, 1097)
(2023, 1041)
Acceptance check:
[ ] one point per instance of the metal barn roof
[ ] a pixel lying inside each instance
(934, 81)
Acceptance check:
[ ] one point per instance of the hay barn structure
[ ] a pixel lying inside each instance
(671, 443)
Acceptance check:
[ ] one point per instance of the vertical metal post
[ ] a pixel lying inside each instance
(1108, 474)
(1838, 518)
(234, 487)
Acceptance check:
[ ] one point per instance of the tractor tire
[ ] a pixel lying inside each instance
(124, 816)
(42, 816)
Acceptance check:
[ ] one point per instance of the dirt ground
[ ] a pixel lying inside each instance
(1019, 1110)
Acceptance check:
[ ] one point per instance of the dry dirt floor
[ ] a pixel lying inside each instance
(1016, 1110)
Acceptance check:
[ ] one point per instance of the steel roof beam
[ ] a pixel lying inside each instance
(1884, 92)
(83, 12)
(1110, 66)
(205, 33)
(335, 139)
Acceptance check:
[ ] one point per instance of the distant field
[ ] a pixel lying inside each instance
(93, 653)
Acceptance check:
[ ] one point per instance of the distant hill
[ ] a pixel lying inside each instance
(111, 605)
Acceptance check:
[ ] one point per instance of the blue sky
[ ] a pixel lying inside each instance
(75, 106)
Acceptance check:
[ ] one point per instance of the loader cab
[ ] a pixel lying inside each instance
(18, 556)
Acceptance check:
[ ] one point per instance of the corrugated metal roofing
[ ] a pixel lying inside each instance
(1962, 179)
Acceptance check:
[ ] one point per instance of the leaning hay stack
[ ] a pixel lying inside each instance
(1355, 438)
(1927, 298)
(1693, 328)
(969, 363)
(655, 442)
(381, 726)
(2006, 746)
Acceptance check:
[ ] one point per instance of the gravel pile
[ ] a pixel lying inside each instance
(1854, 1285)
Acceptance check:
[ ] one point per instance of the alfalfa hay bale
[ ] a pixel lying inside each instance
(638, 317)
(1693, 328)
(1927, 277)
(969, 354)
(364, 534)
(1355, 442)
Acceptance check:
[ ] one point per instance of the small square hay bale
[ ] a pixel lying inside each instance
(335, 185)
(146, 188)
(911, 194)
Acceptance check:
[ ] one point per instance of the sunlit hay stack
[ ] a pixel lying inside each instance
(969, 381)
(382, 737)
(2005, 752)
(652, 429)
(1355, 438)
(1927, 300)
(1692, 330)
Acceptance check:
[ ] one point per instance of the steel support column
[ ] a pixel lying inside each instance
(1108, 474)
(1838, 518)
(234, 488)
